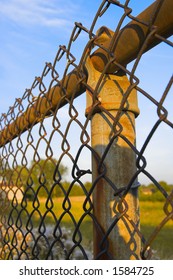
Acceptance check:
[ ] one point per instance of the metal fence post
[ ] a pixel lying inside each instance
(113, 167)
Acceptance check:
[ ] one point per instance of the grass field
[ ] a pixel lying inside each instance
(151, 214)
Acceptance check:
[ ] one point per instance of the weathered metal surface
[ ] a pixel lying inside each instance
(121, 214)
(125, 44)
(116, 165)
(109, 93)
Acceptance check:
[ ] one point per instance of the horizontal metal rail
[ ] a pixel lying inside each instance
(125, 45)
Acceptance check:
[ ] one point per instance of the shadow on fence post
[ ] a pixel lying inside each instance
(115, 235)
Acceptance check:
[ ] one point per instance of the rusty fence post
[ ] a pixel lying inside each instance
(120, 165)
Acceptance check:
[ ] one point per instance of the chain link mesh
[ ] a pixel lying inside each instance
(46, 151)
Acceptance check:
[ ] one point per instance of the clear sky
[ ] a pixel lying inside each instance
(31, 32)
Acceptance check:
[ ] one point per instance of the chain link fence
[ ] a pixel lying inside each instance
(69, 171)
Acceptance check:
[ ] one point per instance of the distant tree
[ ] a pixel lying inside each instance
(152, 187)
(152, 192)
(165, 186)
(44, 174)
(88, 186)
(1, 169)
(39, 177)
(4, 174)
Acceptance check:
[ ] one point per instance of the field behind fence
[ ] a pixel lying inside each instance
(75, 146)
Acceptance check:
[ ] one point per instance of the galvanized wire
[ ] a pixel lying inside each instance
(38, 218)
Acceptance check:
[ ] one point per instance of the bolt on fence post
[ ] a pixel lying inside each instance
(116, 239)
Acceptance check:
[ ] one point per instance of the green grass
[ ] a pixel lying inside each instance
(151, 215)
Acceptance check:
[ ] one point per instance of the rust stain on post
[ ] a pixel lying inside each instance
(119, 163)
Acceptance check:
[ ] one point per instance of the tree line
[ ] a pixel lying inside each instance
(47, 177)
(42, 178)
(152, 192)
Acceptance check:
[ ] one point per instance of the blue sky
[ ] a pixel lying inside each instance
(31, 32)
